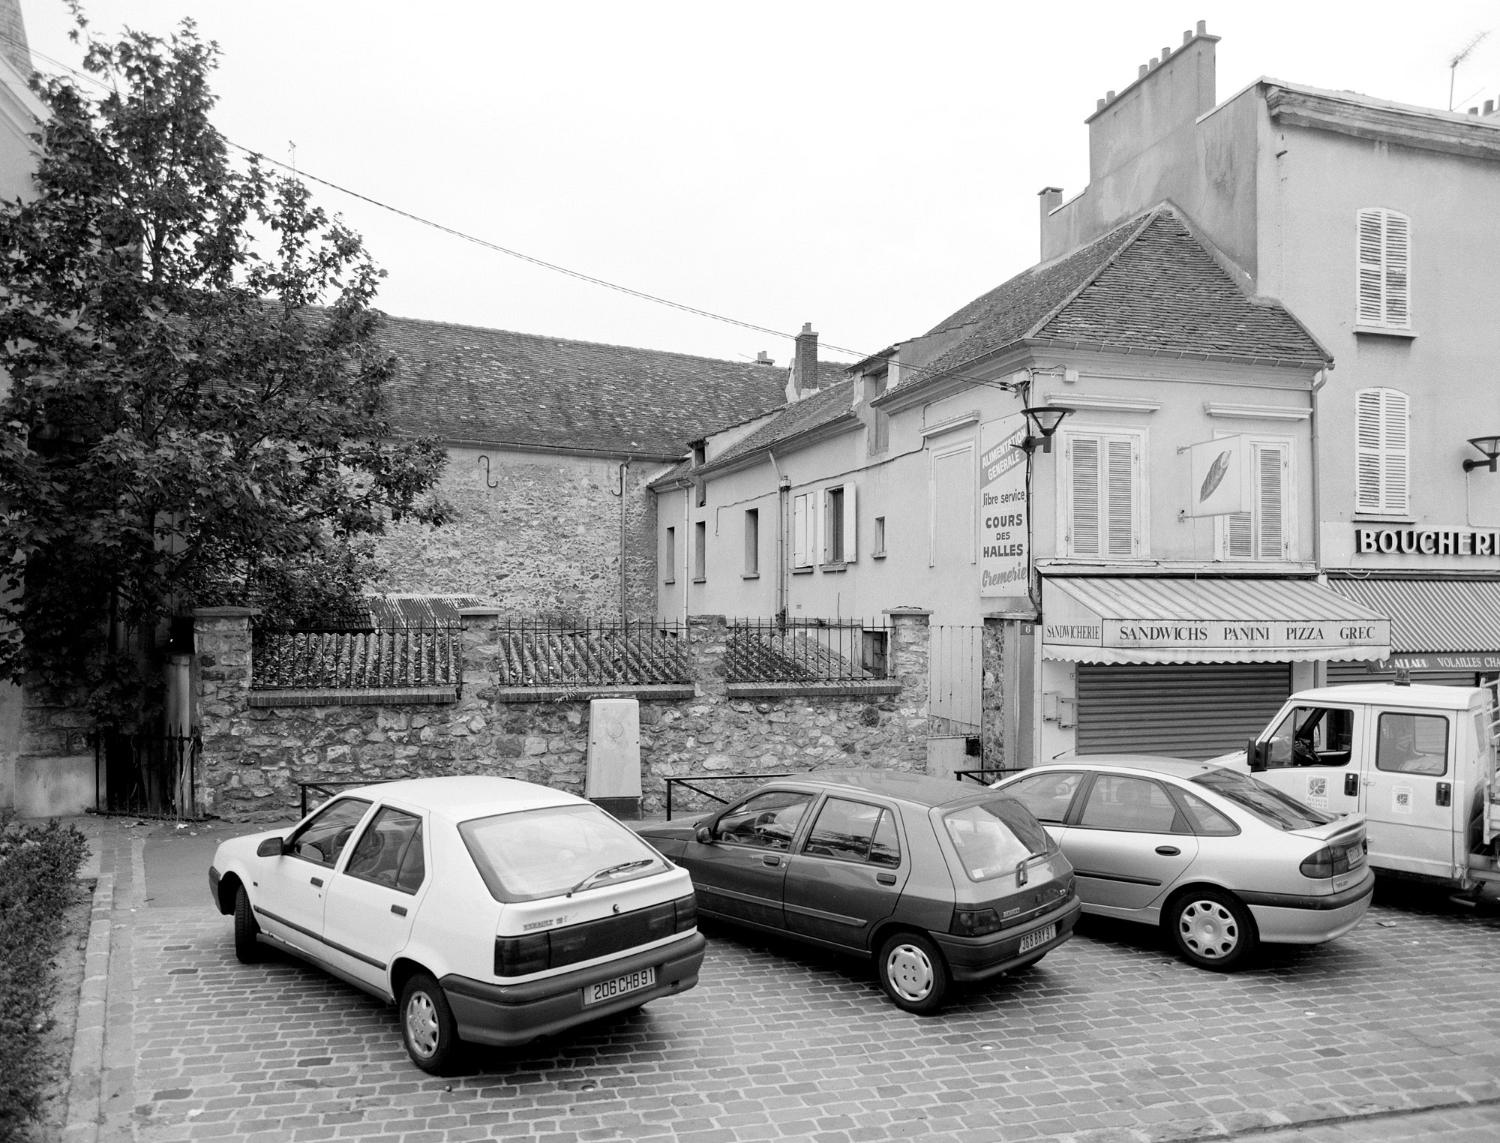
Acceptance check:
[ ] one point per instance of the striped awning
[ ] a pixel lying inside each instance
(1443, 615)
(1158, 619)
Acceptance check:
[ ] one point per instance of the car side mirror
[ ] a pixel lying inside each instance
(1255, 756)
(705, 835)
(271, 847)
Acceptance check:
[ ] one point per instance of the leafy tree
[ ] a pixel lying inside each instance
(197, 406)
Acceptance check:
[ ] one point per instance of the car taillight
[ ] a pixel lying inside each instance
(517, 956)
(1329, 861)
(686, 909)
(974, 922)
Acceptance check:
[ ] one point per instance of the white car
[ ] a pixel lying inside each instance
(489, 910)
(1221, 861)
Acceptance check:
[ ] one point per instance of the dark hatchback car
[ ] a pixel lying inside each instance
(938, 882)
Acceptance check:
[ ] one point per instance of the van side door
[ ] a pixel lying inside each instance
(1409, 792)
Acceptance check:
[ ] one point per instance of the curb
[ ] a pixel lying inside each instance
(86, 1071)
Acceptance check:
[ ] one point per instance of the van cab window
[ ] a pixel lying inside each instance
(1312, 736)
(1412, 743)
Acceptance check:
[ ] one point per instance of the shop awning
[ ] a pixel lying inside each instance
(1152, 619)
(1432, 616)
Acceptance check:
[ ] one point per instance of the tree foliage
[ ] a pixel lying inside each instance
(197, 412)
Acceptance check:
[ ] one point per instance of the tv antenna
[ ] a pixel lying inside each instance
(1458, 59)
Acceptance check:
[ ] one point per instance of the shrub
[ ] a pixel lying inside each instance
(38, 865)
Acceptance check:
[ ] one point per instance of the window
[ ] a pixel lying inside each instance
(752, 541)
(1264, 532)
(389, 852)
(767, 820)
(823, 527)
(525, 855)
(854, 831)
(1204, 820)
(1383, 284)
(1120, 802)
(700, 551)
(1412, 744)
(323, 838)
(1312, 736)
(1047, 795)
(669, 555)
(995, 837)
(1102, 495)
(833, 526)
(878, 550)
(1382, 432)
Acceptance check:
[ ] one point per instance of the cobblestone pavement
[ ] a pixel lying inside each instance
(1391, 1033)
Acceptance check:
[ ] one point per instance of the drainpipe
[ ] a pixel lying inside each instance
(624, 613)
(783, 495)
(1319, 381)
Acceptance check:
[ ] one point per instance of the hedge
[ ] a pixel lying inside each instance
(38, 867)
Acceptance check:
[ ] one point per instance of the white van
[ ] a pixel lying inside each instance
(1418, 761)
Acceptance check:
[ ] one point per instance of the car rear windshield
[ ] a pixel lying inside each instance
(1262, 799)
(994, 837)
(544, 852)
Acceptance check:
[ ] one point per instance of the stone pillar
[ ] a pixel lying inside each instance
(221, 642)
(911, 647)
(708, 639)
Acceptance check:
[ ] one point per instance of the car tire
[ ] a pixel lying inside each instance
(427, 1026)
(247, 947)
(1212, 929)
(913, 973)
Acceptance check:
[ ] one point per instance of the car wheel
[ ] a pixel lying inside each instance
(427, 1026)
(247, 949)
(913, 973)
(1212, 929)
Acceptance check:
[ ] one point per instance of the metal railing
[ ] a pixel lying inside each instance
(539, 653)
(806, 651)
(149, 775)
(987, 774)
(745, 782)
(420, 656)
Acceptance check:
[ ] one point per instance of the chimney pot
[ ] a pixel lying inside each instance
(763, 358)
(1109, 97)
(1473, 111)
(1099, 104)
(1202, 27)
(1187, 36)
(804, 378)
(1489, 105)
(1165, 52)
(1142, 71)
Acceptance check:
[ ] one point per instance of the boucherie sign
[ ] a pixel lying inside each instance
(1426, 541)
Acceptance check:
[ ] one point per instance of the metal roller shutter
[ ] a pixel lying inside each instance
(1341, 673)
(1188, 711)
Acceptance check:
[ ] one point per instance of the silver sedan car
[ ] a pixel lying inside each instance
(1219, 860)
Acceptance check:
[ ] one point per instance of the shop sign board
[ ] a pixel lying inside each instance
(1004, 527)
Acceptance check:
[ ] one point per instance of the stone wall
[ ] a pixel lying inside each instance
(257, 746)
(533, 533)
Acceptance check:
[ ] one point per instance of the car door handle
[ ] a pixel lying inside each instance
(318, 881)
(770, 859)
(1168, 850)
(399, 910)
(886, 878)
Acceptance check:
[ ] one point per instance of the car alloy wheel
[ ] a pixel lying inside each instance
(1212, 929)
(913, 973)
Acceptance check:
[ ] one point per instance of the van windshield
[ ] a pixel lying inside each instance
(1264, 801)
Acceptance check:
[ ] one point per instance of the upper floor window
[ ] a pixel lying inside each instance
(823, 528)
(752, 541)
(1382, 432)
(1384, 259)
(1102, 495)
(669, 556)
(700, 551)
(1264, 532)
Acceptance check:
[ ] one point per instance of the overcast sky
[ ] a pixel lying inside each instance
(863, 165)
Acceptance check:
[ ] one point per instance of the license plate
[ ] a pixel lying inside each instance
(619, 986)
(1040, 937)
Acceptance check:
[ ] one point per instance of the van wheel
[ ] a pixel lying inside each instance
(247, 948)
(913, 973)
(1212, 929)
(427, 1026)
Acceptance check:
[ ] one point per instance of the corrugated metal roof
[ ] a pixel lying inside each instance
(1432, 614)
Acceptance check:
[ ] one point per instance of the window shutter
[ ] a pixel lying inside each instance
(1120, 496)
(851, 549)
(1270, 467)
(1383, 269)
(1371, 269)
(1396, 447)
(1084, 525)
(1397, 259)
(1381, 449)
(801, 534)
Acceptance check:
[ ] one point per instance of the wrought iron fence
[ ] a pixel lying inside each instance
(806, 651)
(344, 659)
(150, 775)
(732, 785)
(542, 653)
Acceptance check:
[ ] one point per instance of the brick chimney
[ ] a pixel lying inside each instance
(804, 375)
(13, 37)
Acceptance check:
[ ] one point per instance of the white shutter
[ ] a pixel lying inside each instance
(1383, 262)
(1120, 496)
(851, 549)
(1382, 451)
(1270, 531)
(801, 533)
(1083, 527)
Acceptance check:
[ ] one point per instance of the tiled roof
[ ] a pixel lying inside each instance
(814, 411)
(490, 386)
(1149, 286)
